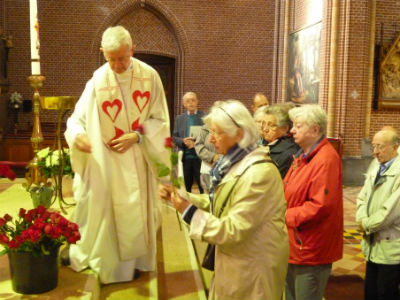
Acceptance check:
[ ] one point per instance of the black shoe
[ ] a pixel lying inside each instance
(136, 274)
(64, 255)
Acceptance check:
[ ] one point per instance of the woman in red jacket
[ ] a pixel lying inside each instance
(314, 217)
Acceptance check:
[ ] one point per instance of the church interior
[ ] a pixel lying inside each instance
(346, 54)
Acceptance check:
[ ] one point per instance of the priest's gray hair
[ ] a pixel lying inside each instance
(231, 115)
(115, 37)
(311, 114)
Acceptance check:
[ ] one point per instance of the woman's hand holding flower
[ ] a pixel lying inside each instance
(167, 193)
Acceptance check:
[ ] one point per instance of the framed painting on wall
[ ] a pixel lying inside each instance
(303, 65)
(389, 78)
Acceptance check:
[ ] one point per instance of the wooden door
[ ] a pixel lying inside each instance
(165, 66)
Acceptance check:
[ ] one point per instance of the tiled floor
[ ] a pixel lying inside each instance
(353, 262)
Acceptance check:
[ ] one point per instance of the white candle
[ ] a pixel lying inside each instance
(35, 45)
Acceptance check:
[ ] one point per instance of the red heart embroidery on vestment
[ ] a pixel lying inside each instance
(112, 109)
(118, 133)
(137, 127)
(140, 99)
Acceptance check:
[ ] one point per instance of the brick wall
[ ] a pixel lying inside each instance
(223, 48)
(352, 97)
(387, 30)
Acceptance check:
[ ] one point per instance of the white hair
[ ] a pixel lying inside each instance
(259, 113)
(231, 115)
(281, 112)
(115, 37)
(311, 114)
(190, 94)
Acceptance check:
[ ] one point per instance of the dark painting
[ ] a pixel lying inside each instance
(303, 65)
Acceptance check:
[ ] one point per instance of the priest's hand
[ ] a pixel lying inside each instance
(124, 142)
(82, 143)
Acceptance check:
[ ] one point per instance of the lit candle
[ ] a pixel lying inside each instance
(35, 45)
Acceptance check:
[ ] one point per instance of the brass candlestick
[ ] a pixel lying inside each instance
(62, 104)
(34, 175)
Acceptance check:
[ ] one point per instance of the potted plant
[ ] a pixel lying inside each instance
(32, 241)
(53, 164)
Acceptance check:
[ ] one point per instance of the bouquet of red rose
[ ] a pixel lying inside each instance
(37, 230)
(5, 171)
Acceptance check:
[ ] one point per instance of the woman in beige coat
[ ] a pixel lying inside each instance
(244, 214)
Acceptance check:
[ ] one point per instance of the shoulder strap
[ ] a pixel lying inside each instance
(230, 191)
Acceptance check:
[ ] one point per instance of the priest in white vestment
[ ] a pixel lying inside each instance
(115, 134)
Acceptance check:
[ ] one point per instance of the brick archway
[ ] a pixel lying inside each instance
(167, 18)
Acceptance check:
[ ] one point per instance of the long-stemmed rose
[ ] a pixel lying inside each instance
(163, 170)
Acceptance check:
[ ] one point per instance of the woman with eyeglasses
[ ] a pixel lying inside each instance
(276, 125)
(244, 213)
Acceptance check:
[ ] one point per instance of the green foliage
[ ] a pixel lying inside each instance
(41, 195)
(174, 158)
(50, 162)
(162, 170)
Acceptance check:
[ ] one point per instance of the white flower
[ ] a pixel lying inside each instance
(43, 153)
(53, 159)
(16, 99)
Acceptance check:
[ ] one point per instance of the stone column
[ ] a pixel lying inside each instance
(285, 50)
(332, 69)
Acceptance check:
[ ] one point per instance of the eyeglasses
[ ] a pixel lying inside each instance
(379, 147)
(216, 134)
(120, 59)
(269, 125)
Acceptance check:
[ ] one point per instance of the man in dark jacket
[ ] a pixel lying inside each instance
(186, 128)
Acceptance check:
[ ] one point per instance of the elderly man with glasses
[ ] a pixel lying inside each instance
(116, 131)
(378, 214)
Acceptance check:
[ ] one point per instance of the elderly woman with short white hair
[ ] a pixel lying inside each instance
(276, 126)
(244, 213)
(314, 217)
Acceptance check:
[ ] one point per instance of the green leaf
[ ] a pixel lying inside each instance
(44, 251)
(174, 158)
(4, 251)
(163, 170)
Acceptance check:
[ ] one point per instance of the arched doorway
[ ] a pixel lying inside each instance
(165, 66)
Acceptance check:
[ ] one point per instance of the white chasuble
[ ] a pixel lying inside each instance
(117, 193)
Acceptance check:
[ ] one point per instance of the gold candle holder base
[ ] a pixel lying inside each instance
(62, 104)
(34, 175)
